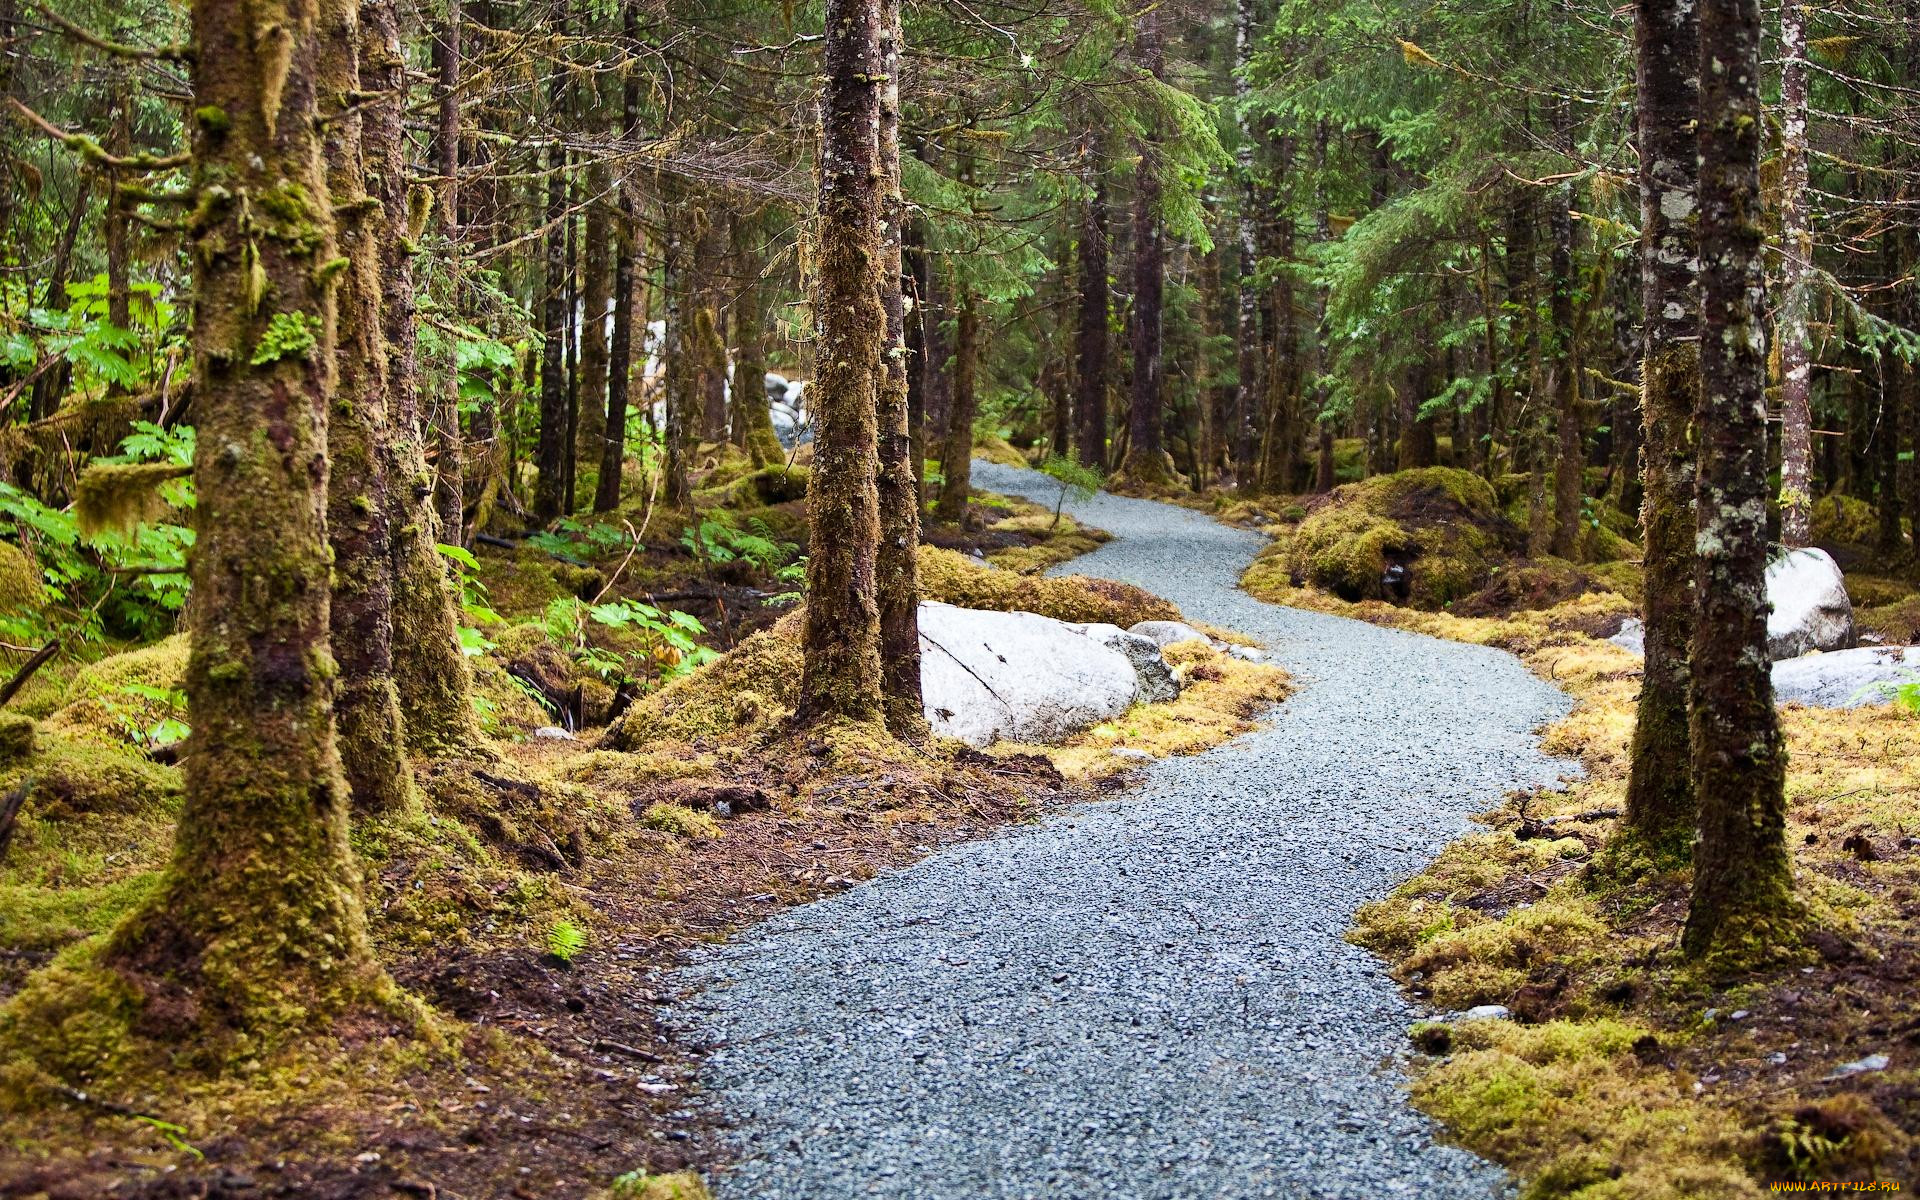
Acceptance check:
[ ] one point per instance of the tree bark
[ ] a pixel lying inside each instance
(620, 356)
(596, 293)
(550, 451)
(1660, 804)
(752, 414)
(1147, 462)
(841, 678)
(956, 457)
(261, 899)
(449, 465)
(1419, 446)
(897, 578)
(1796, 264)
(1570, 454)
(1742, 906)
(360, 452)
(1090, 375)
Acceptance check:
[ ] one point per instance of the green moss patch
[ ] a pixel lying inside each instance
(1442, 526)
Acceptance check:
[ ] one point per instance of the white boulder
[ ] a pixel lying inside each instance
(991, 675)
(1811, 610)
(1632, 636)
(1166, 633)
(1155, 677)
(1846, 678)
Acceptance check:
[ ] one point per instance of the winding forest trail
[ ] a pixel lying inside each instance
(1149, 996)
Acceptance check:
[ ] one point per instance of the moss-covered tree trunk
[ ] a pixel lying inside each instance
(914, 247)
(841, 680)
(956, 457)
(1796, 268)
(1742, 905)
(360, 448)
(679, 370)
(1660, 809)
(1569, 453)
(752, 414)
(257, 925)
(449, 447)
(897, 580)
(1090, 368)
(433, 678)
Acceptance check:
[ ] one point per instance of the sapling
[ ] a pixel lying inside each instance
(1075, 479)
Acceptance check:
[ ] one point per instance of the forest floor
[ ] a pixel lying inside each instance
(538, 901)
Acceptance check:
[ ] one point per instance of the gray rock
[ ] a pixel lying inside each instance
(1860, 1066)
(1632, 636)
(1166, 633)
(1157, 683)
(553, 733)
(1846, 678)
(1252, 654)
(1487, 1012)
(985, 676)
(1811, 610)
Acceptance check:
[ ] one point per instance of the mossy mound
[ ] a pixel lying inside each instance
(508, 707)
(996, 449)
(74, 772)
(1444, 526)
(743, 694)
(1839, 520)
(125, 694)
(1528, 586)
(20, 586)
(953, 578)
(758, 489)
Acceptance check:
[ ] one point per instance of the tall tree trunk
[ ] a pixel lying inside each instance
(449, 466)
(936, 372)
(1247, 341)
(620, 352)
(550, 451)
(1742, 906)
(1090, 374)
(434, 679)
(1796, 265)
(915, 249)
(956, 457)
(1660, 805)
(360, 501)
(1147, 462)
(1570, 454)
(260, 900)
(897, 578)
(841, 679)
(679, 374)
(596, 294)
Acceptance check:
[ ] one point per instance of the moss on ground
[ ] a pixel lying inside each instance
(1221, 698)
(1443, 526)
(1539, 914)
(996, 449)
(1840, 521)
(952, 578)
(20, 586)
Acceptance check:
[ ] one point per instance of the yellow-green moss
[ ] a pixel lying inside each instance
(20, 586)
(642, 1185)
(681, 821)
(743, 694)
(1443, 524)
(124, 694)
(1839, 520)
(996, 449)
(952, 578)
(76, 771)
(778, 484)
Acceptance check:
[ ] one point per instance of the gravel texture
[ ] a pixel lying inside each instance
(1150, 996)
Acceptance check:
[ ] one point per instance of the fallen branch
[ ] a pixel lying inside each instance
(41, 658)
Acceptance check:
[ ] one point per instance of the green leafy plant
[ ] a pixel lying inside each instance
(666, 636)
(175, 1135)
(565, 940)
(1075, 478)
(718, 539)
(473, 600)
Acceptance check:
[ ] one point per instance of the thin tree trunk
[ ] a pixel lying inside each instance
(550, 451)
(597, 297)
(956, 457)
(260, 900)
(1742, 905)
(897, 579)
(1419, 445)
(1570, 457)
(1247, 342)
(841, 679)
(449, 466)
(752, 414)
(620, 353)
(1796, 263)
(1090, 376)
(1660, 805)
(1147, 462)
(679, 374)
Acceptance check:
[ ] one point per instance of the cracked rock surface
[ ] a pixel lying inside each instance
(1149, 996)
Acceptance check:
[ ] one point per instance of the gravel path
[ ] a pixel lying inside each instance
(1145, 997)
